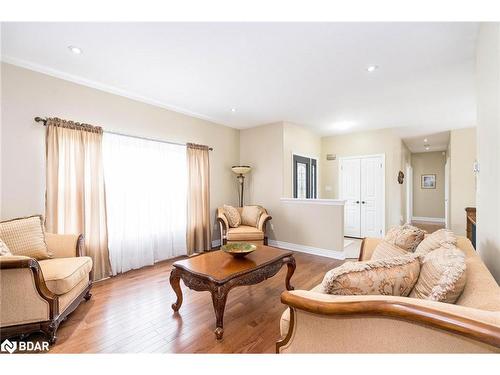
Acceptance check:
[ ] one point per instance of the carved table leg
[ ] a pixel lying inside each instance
(175, 279)
(290, 262)
(87, 295)
(219, 297)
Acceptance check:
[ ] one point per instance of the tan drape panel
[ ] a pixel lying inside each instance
(75, 194)
(198, 215)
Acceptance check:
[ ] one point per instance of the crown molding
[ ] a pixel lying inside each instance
(103, 87)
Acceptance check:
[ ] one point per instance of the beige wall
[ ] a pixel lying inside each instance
(405, 162)
(462, 153)
(262, 148)
(383, 141)
(301, 141)
(428, 203)
(26, 94)
(488, 143)
(304, 224)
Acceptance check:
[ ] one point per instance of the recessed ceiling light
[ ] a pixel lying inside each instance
(343, 125)
(75, 50)
(372, 68)
(233, 109)
(425, 140)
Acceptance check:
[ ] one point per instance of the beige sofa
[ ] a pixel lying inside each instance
(243, 233)
(319, 323)
(39, 295)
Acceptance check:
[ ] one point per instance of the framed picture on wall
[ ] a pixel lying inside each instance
(428, 181)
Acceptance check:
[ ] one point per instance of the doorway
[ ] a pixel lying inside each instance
(430, 192)
(305, 177)
(361, 186)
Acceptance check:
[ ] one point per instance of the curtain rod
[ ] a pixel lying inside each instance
(44, 122)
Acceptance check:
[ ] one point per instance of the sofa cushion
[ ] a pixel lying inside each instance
(435, 240)
(233, 216)
(250, 215)
(4, 250)
(244, 232)
(407, 237)
(63, 274)
(442, 276)
(392, 276)
(386, 250)
(25, 236)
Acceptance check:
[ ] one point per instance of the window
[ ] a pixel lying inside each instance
(146, 185)
(304, 177)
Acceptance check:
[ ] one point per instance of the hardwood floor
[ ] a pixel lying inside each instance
(131, 313)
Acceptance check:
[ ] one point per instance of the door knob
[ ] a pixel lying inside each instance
(357, 202)
(363, 202)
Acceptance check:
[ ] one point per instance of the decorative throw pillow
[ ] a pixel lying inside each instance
(4, 250)
(442, 276)
(25, 236)
(394, 277)
(405, 236)
(250, 215)
(440, 238)
(386, 250)
(233, 216)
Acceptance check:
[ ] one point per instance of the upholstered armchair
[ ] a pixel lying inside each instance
(37, 295)
(243, 233)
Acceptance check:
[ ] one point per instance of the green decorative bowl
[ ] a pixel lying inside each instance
(238, 249)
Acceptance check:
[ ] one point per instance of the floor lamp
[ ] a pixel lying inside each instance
(241, 171)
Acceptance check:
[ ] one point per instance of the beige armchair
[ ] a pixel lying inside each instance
(243, 233)
(36, 296)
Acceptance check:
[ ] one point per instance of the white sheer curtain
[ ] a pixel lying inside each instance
(146, 184)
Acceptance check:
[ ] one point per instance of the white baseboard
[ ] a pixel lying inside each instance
(439, 220)
(308, 249)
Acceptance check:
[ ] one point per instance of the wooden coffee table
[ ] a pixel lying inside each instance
(218, 272)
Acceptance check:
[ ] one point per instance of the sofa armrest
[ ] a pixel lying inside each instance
(264, 218)
(323, 322)
(368, 245)
(64, 245)
(24, 294)
(223, 225)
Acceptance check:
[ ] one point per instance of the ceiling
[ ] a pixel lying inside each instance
(313, 74)
(435, 142)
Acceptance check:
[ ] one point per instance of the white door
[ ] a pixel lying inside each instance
(350, 171)
(361, 186)
(371, 197)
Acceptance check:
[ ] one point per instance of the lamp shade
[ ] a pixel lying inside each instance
(241, 169)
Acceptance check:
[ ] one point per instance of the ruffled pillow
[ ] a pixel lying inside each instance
(406, 237)
(393, 277)
(442, 275)
(440, 238)
(4, 250)
(233, 216)
(386, 250)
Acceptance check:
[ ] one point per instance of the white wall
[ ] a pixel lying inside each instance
(488, 143)
(383, 141)
(301, 141)
(26, 94)
(462, 153)
(303, 224)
